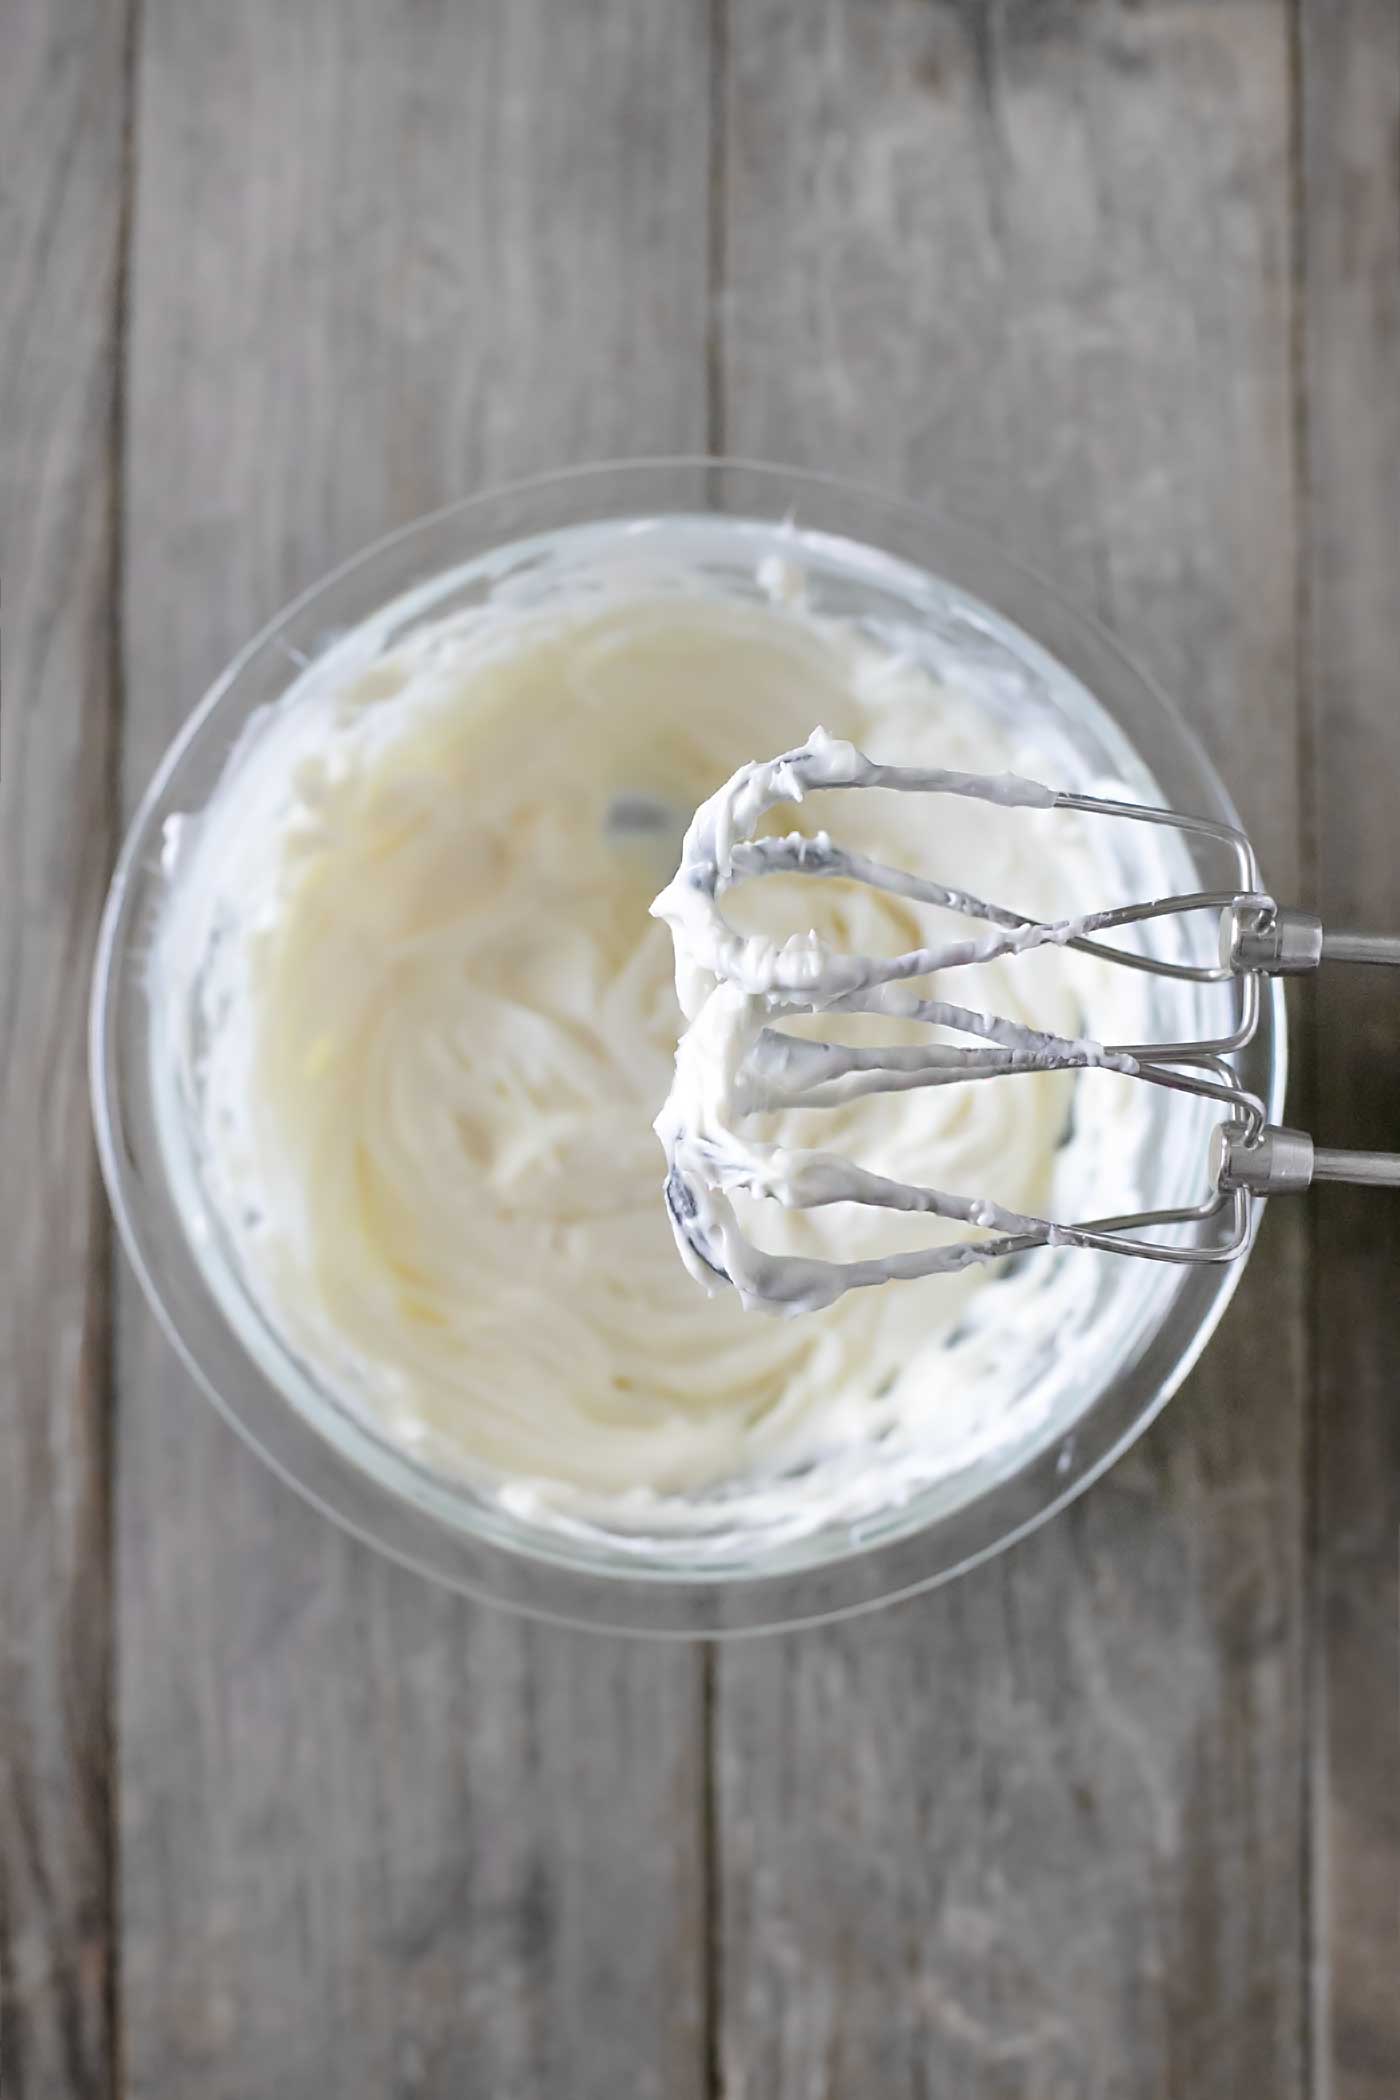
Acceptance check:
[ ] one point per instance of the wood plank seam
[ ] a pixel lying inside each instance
(112, 1253)
(64, 214)
(1349, 93)
(715, 230)
(711, 1813)
(1303, 1017)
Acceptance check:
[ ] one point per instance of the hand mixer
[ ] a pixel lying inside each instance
(732, 1063)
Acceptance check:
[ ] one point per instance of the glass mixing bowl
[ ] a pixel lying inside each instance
(872, 560)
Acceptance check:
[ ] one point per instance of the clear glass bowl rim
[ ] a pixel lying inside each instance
(646, 1600)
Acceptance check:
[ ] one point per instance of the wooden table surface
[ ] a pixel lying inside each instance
(1117, 1815)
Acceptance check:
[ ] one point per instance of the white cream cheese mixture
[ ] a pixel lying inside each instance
(425, 1020)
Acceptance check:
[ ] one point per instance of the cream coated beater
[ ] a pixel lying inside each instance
(736, 1062)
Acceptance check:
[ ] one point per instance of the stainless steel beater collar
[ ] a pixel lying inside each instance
(1279, 941)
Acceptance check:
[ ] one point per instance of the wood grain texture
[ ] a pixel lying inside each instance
(376, 1840)
(1040, 1834)
(1351, 136)
(62, 113)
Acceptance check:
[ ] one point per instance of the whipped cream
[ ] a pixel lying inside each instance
(412, 1019)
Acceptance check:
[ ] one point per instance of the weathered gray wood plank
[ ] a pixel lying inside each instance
(375, 1840)
(1040, 1833)
(62, 116)
(1351, 131)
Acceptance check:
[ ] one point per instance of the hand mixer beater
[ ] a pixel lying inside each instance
(735, 1062)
